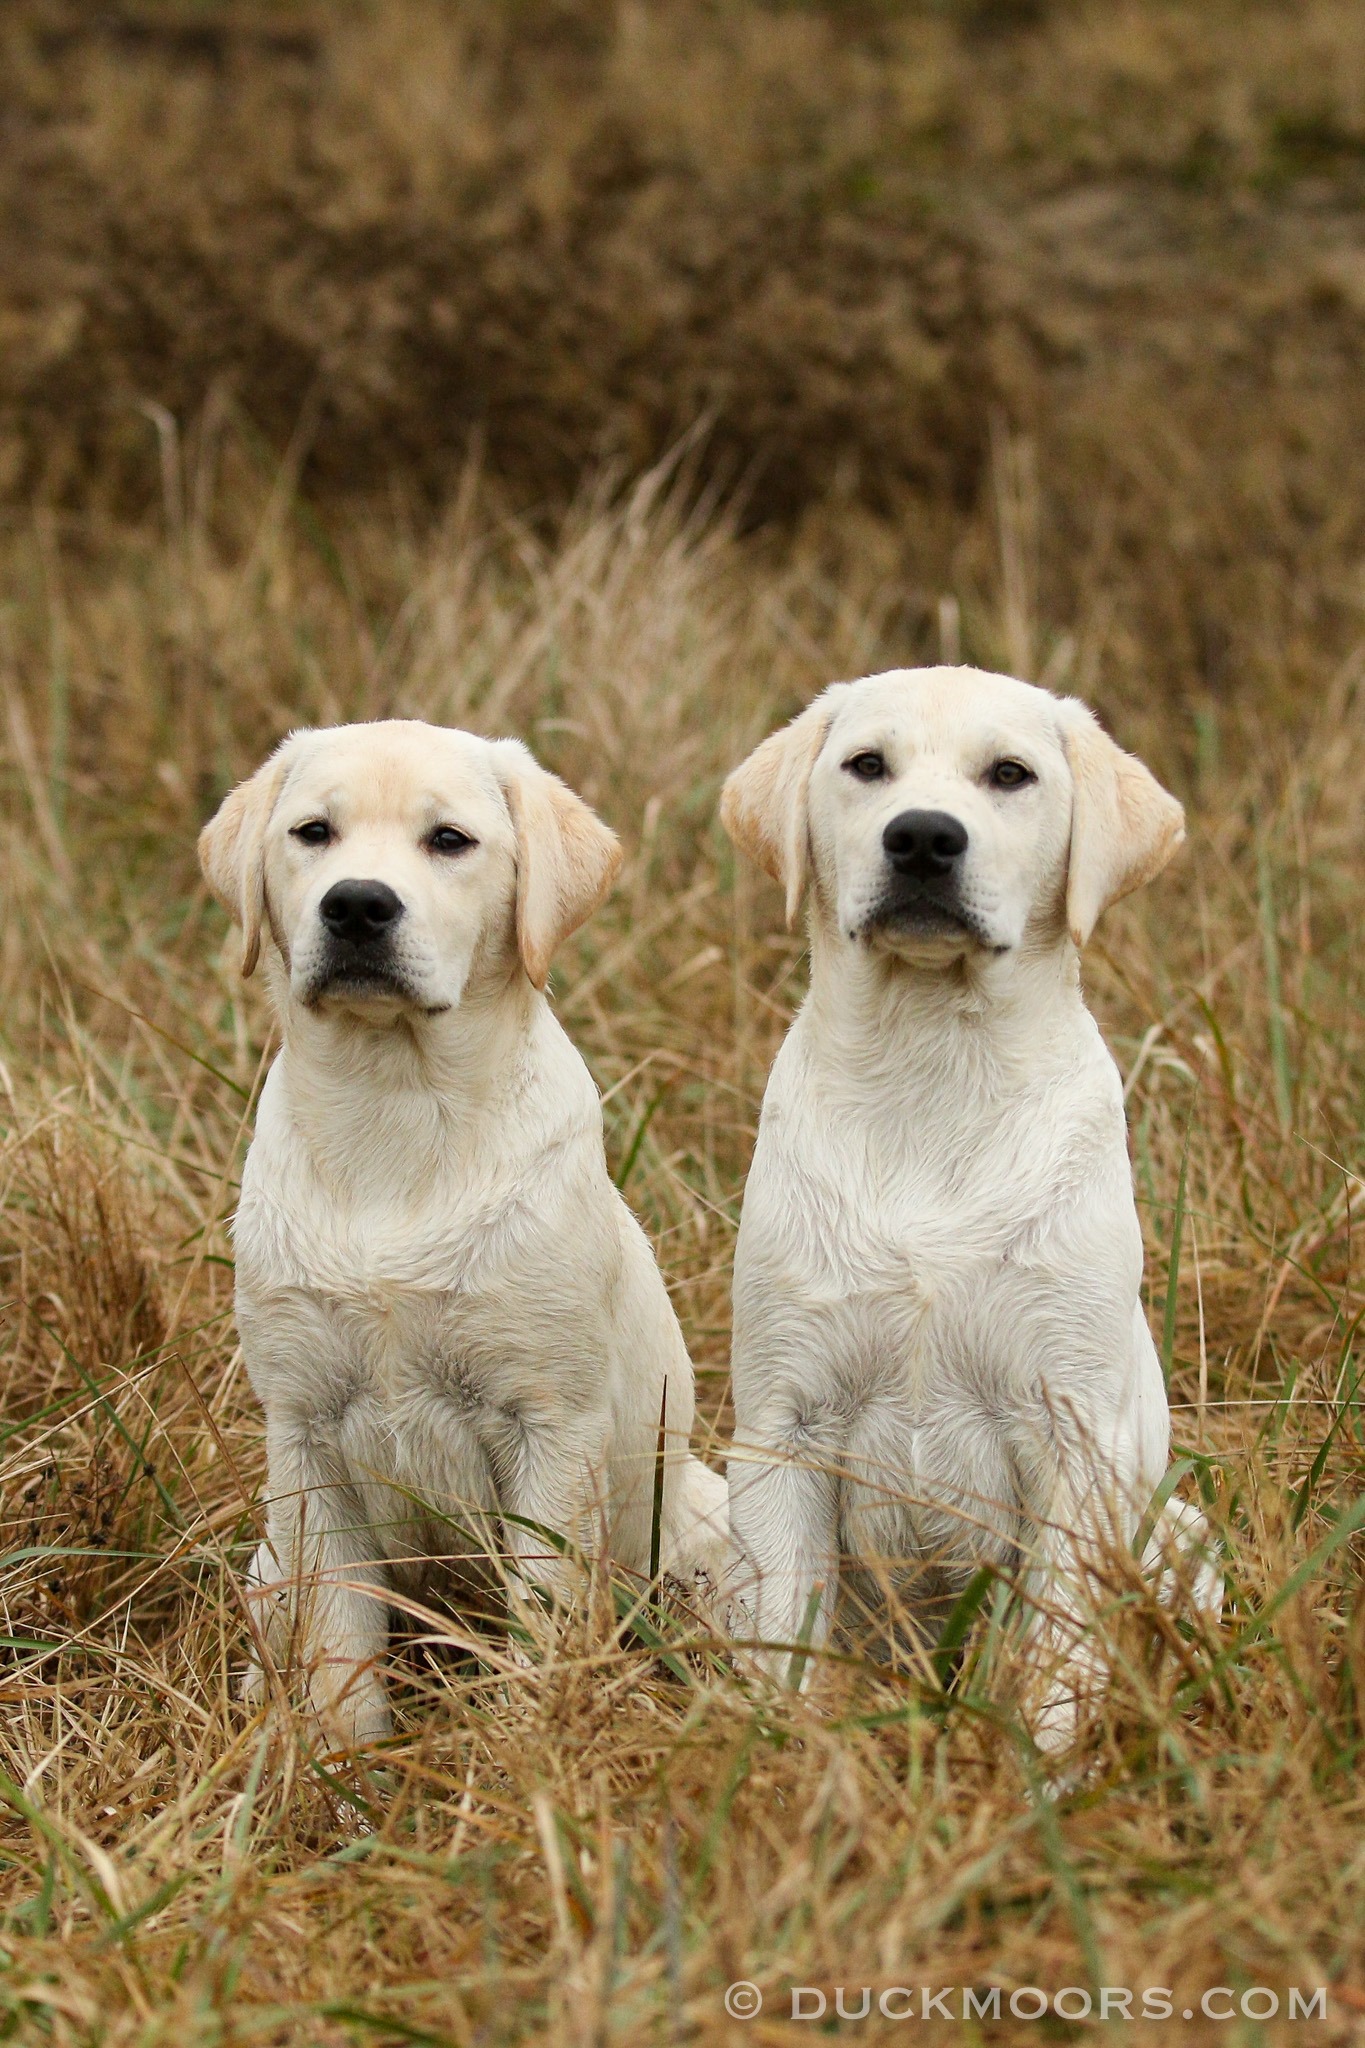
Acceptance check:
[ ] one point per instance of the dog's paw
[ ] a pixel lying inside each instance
(1184, 1560)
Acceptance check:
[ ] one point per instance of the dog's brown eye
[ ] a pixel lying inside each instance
(449, 839)
(869, 766)
(1010, 775)
(314, 832)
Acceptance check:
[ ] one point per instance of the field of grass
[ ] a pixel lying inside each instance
(1121, 458)
(593, 1849)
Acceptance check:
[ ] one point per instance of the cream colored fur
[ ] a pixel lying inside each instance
(448, 1313)
(940, 1354)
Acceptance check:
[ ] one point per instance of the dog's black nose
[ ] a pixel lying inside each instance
(359, 911)
(924, 843)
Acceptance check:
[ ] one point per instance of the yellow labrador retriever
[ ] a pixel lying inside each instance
(940, 1353)
(445, 1307)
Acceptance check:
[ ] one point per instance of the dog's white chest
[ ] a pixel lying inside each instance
(903, 1258)
(427, 1317)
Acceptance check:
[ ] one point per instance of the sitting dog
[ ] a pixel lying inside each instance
(940, 1355)
(446, 1308)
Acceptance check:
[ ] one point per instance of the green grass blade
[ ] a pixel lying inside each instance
(1270, 948)
(958, 1625)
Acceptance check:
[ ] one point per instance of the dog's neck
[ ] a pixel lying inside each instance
(393, 1107)
(983, 1025)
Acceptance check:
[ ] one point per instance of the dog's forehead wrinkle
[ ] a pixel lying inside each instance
(396, 763)
(945, 698)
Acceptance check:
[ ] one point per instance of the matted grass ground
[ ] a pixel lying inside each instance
(592, 1850)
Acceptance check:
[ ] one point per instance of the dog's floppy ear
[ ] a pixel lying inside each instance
(1124, 825)
(232, 850)
(763, 805)
(567, 859)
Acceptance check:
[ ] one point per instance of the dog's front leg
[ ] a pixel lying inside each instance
(1066, 1670)
(555, 1481)
(322, 1592)
(1074, 1503)
(784, 1517)
(1090, 1518)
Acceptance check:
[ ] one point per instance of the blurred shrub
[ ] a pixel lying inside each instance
(841, 233)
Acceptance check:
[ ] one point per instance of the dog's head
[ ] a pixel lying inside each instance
(386, 867)
(941, 813)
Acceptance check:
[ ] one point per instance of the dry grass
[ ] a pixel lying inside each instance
(857, 239)
(592, 1850)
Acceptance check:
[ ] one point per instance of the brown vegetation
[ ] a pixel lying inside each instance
(1124, 466)
(838, 231)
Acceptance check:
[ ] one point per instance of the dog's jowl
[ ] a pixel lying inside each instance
(940, 1352)
(450, 1316)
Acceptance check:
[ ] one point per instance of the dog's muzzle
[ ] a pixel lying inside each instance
(923, 896)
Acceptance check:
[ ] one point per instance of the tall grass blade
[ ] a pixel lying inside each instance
(1173, 1265)
(1270, 949)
